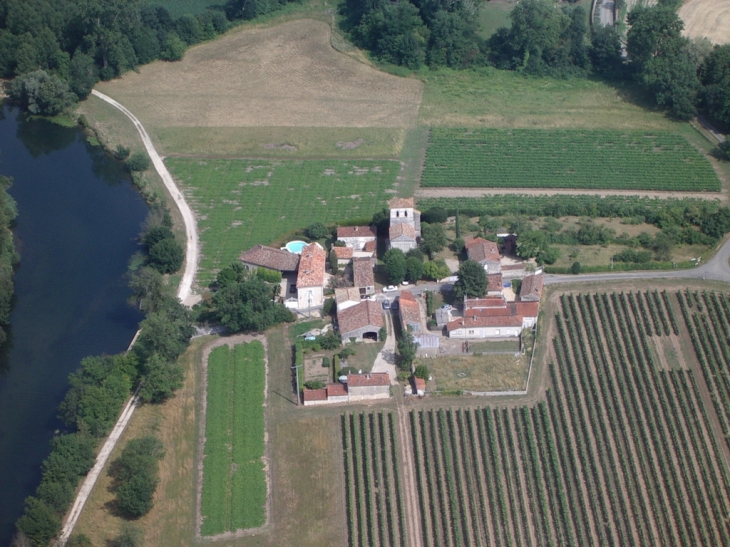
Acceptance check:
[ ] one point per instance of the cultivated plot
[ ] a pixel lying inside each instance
(234, 483)
(623, 452)
(707, 19)
(240, 203)
(528, 158)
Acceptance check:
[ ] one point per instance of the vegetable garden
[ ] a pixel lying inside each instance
(622, 452)
(375, 515)
(234, 483)
(240, 203)
(585, 159)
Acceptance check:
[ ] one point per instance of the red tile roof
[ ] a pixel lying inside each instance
(494, 282)
(410, 312)
(532, 286)
(362, 272)
(343, 252)
(402, 230)
(370, 246)
(420, 384)
(268, 257)
(480, 321)
(311, 266)
(364, 314)
(347, 294)
(402, 203)
(356, 231)
(371, 379)
(488, 302)
(480, 249)
(315, 394)
(523, 309)
(336, 390)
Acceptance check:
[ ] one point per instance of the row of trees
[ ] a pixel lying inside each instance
(8, 257)
(546, 39)
(61, 48)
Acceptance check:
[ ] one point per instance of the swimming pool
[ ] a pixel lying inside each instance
(296, 246)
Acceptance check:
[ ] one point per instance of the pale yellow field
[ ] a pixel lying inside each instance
(285, 76)
(707, 19)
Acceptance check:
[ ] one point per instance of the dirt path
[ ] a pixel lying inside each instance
(453, 192)
(191, 229)
(413, 513)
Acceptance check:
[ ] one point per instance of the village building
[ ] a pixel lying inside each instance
(419, 386)
(337, 393)
(443, 316)
(410, 313)
(261, 256)
(313, 397)
(405, 224)
(356, 237)
(363, 276)
(375, 385)
(531, 288)
(310, 277)
(347, 297)
(485, 327)
(428, 344)
(484, 252)
(343, 254)
(491, 307)
(360, 322)
(494, 284)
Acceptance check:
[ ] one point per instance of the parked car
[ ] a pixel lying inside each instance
(394, 306)
(390, 288)
(404, 283)
(446, 307)
(386, 304)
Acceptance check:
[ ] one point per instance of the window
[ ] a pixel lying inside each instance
(496, 332)
(471, 332)
(405, 213)
(397, 214)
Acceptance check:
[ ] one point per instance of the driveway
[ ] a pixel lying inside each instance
(385, 360)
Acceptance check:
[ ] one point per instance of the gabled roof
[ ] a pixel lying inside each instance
(402, 203)
(494, 282)
(402, 229)
(532, 286)
(343, 252)
(311, 266)
(370, 246)
(315, 394)
(481, 321)
(410, 312)
(347, 294)
(480, 249)
(362, 272)
(268, 257)
(488, 302)
(365, 380)
(523, 309)
(356, 231)
(364, 314)
(336, 390)
(419, 384)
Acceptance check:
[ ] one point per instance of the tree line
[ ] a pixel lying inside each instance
(57, 50)
(549, 39)
(8, 257)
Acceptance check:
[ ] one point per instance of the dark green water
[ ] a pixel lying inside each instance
(78, 220)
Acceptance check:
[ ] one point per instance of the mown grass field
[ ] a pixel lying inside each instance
(530, 158)
(240, 203)
(234, 484)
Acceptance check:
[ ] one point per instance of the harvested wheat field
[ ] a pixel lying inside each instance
(287, 75)
(707, 19)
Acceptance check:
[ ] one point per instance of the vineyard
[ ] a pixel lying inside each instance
(622, 452)
(535, 158)
(234, 485)
(375, 515)
(239, 203)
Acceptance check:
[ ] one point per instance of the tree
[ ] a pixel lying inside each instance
(39, 522)
(139, 161)
(575, 268)
(136, 475)
(129, 536)
(395, 265)
(605, 51)
(317, 231)
(166, 256)
(173, 48)
(434, 215)
(334, 262)
(435, 270)
(715, 76)
(472, 281)
(433, 238)
(41, 93)
(83, 75)
(414, 269)
(422, 372)
(166, 332)
(248, 306)
(162, 380)
(407, 349)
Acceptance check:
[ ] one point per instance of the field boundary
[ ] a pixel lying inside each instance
(231, 342)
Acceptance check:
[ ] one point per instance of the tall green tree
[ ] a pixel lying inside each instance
(472, 281)
(395, 265)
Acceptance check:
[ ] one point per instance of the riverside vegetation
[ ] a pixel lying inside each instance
(8, 257)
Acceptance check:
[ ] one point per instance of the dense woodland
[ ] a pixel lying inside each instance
(548, 38)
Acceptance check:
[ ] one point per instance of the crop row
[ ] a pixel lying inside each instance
(529, 158)
(375, 515)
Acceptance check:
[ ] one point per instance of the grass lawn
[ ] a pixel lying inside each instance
(240, 203)
(496, 345)
(234, 484)
(365, 355)
(499, 372)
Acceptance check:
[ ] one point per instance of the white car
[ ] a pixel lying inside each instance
(390, 288)
(404, 283)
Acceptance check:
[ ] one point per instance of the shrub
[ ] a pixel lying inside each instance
(516, 285)
(270, 276)
(326, 362)
(166, 256)
(435, 270)
(422, 372)
(328, 306)
(345, 353)
(136, 475)
(575, 268)
(41, 93)
(331, 340)
(314, 384)
(383, 334)
(317, 231)
(434, 215)
(121, 152)
(139, 161)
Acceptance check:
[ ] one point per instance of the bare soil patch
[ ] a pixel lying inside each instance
(707, 19)
(287, 75)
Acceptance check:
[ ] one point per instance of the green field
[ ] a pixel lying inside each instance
(234, 484)
(240, 203)
(585, 159)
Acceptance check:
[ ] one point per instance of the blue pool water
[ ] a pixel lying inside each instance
(295, 246)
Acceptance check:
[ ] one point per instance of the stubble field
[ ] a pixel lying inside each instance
(707, 19)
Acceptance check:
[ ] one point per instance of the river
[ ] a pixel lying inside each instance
(78, 220)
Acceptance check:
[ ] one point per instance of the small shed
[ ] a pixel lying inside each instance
(443, 316)
(375, 385)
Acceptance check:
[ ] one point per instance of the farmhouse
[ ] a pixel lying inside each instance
(356, 237)
(531, 288)
(362, 275)
(375, 385)
(410, 313)
(485, 327)
(361, 321)
(526, 310)
(485, 252)
(347, 297)
(268, 257)
(405, 224)
(310, 277)
(343, 254)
